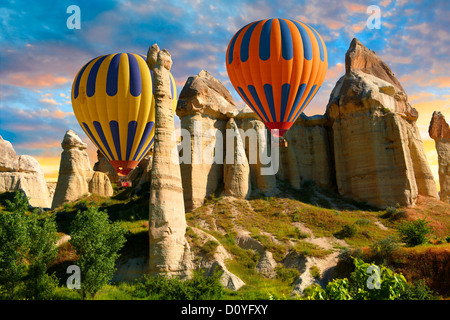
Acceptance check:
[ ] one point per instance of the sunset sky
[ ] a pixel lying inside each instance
(40, 56)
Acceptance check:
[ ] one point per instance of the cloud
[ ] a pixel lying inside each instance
(34, 81)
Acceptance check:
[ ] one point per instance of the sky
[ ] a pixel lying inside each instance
(40, 56)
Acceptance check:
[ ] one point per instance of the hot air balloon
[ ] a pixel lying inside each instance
(113, 102)
(277, 66)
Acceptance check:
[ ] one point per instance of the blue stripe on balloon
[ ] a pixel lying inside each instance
(114, 126)
(264, 41)
(77, 81)
(321, 49)
(245, 44)
(307, 46)
(244, 96)
(112, 78)
(287, 49)
(89, 132)
(98, 128)
(232, 44)
(258, 102)
(285, 89)
(269, 98)
(92, 78)
(305, 103)
(143, 57)
(132, 125)
(148, 128)
(135, 76)
(146, 149)
(298, 97)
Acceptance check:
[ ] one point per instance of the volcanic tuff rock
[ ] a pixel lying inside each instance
(22, 173)
(76, 178)
(103, 165)
(439, 130)
(236, 170)
(248, 121)
(308, 155)
(379, 155)
(204, 107)
(169, 249)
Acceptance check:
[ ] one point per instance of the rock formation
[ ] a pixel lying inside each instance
(76, 178)
(204, 106)
(440, 132)
(248, 121)
(22, 173)
(308, 154)
(169, 249)
(236, 171)
(104, 166)
(379, 156)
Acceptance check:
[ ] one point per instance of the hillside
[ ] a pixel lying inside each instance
(278, 245)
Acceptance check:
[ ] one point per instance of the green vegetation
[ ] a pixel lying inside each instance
(97, 242)
(104, 228)
(415, 232)
(370, 282)
(27, 242)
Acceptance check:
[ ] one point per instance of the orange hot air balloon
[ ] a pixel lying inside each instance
(277, 66)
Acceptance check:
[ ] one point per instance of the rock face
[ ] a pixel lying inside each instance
(308, 155)
(236, 171)
(76, 178)
(169, 249)
(439, 131)
(379, 156)
(22, 173)
(104, 166)
(249, 122)
(204, 107)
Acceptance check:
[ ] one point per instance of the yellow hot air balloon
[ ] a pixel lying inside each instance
(112, 98)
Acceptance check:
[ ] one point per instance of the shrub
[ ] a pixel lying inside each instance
(163, 287)
(415, 232)
(392, 286)
(97, 242)
(315, 272)
(27, 245)
(394, 213)
(347, 231)
(382, 249)
(209, 248)
(288, 275)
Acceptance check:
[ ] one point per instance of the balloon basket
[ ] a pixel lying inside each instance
(125, 183)
(282, 143)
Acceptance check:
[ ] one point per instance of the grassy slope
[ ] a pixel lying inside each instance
(274, 221)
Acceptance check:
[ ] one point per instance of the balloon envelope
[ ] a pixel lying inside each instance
(113, 101)
(277, 66)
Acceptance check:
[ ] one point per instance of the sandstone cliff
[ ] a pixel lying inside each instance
(22, 173)
(439, 130)
(76, 177)
(204, 106)
(379, 155)
(169, 249)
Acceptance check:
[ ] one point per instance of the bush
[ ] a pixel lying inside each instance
(382, 249)
(97, 242)
(27, 245)
(163, 287)
(414, 233)
(362, 285)
(288, 275)
(347, 231)
(209, 248)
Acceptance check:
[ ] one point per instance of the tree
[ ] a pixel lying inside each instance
(415, 232)
(27, 245)
(42, 250)
(97, 242)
